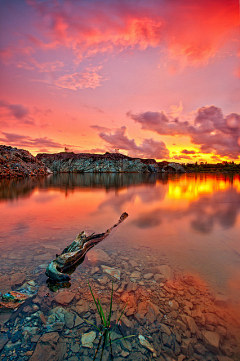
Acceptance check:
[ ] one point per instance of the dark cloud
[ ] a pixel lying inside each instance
(185, 151)
(26, 141)
(213, 132)
(18, 111)
(148, 149)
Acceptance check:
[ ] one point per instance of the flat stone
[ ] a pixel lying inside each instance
(146, 344)
(49, 347)
(133, 263)
(135, 274)
(4, 317)
(64, 297)
(3, 340)
(224, 358)
(88, 338)
(18, 278)
(69, 319)
(113, 272)
(35, 338)
(211, 341)
(148, 276)
(82, 307)
(78, 321)
(159, 278)
(166, 271)
(186, 347)
(191, 323)
(125, 343)
(75, 347)
(126, 321)
(97, 257)
(164, 328)
(131, 286)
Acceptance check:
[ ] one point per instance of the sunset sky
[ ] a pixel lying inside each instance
(156, 79)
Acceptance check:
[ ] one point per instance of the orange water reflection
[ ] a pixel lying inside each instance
(193, 220)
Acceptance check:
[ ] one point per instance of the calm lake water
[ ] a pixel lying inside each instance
(189, 221)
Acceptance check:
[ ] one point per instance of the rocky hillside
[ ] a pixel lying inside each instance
(104, 163)
(20, 163)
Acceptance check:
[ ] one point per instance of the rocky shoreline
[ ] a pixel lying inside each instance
(16, 162)
(105, 163)
(172, 317)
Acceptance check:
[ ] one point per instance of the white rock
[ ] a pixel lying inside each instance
(146, 344)
(88, 338)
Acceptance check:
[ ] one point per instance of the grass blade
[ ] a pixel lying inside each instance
(120, 316)
(93, 325)
(120, 338)
(95, 302)
(102, 313)
(110, 311)
(96, 352)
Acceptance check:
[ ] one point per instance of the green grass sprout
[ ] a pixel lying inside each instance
(105, 327)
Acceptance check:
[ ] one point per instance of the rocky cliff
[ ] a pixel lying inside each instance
(19, 163)
(104, 163)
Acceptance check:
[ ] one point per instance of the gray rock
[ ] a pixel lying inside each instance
(69, 319)
(113, 272)
(3, 340)
(88, 338)
(75, 347)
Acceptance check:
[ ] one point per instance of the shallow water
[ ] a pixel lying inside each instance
(190, 222)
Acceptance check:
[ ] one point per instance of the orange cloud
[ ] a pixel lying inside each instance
(192, 31)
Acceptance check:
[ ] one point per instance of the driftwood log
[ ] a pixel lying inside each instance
(73, 254)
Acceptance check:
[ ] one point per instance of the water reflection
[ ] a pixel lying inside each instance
(192, 218)
(187, 225)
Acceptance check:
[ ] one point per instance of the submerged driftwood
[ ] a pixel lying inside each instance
(73, 254)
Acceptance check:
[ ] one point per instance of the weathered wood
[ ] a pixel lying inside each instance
(75, 252)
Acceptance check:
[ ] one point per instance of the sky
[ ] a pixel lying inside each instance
(155, 79)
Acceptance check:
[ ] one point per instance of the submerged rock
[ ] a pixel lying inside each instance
(97, 257)
(49, 347)
(146, 344)
(113, 272)
(88, 338)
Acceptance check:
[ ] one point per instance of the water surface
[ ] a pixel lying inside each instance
(190, 222)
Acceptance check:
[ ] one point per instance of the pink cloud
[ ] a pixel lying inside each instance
(213, 132)
(89, 78)
(192, 32)
(149, 148)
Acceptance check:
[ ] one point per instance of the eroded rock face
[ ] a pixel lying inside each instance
(16, 162)
(104, 163)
